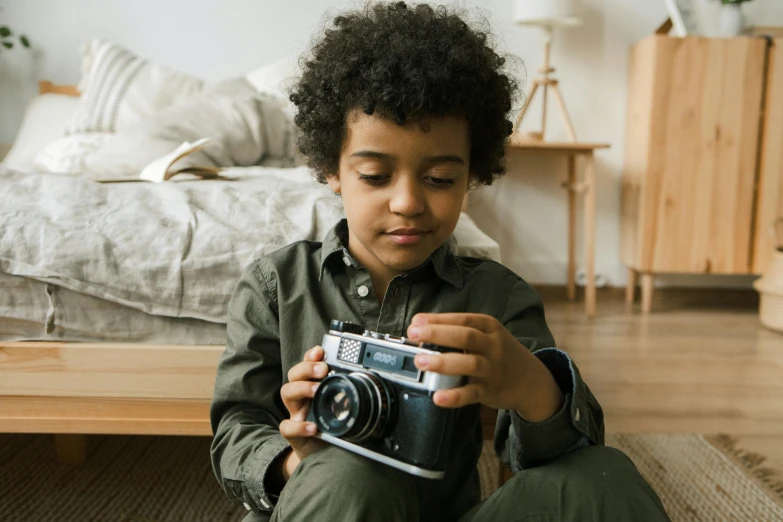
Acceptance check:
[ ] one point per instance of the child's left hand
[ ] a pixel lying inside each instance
(501, 372)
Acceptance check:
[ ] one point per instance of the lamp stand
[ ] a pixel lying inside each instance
(547, 82)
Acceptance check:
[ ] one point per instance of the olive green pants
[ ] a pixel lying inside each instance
(595, 483)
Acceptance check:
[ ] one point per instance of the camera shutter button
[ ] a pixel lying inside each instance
(363, 291)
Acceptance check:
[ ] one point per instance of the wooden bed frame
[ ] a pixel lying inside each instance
(74, 388)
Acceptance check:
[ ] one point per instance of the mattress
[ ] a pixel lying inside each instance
(32, 310)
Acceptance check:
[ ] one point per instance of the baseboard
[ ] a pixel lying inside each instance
(666, 298)
(550, 273)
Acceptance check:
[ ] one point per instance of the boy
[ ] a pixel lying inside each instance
(400, 111)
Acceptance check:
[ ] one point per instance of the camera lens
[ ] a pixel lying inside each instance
(340, 406)
(353, 406)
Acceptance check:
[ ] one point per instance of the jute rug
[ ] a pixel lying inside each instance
(162, 479)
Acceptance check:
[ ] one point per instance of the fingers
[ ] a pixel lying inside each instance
(459, 337)
(316, 353)
(458, 397)
(298, 390)
(482, 322)
(291, 429)
(470, 365)
(308, 371)
(296, 396)
(301, 385)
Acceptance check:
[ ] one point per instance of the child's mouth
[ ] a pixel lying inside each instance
(407, 236)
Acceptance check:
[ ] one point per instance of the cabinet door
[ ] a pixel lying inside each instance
(770, 191)
(702, 155)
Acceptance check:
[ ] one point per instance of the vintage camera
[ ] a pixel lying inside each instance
(376, 403)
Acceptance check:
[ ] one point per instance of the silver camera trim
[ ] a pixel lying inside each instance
(429, 381)
(355, 448)
(373, 387)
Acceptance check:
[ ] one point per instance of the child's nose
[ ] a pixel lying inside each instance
(407, 198)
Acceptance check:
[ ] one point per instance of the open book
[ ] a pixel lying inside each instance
(162, 169)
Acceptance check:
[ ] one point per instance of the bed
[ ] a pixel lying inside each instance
(75, 360)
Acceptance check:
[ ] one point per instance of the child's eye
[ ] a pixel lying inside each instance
(440, 182)
(374, 179)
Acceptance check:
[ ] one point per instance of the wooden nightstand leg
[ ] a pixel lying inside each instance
(71, 448)
(570, 187)
(590, 234)
(630, 288)
(648, 281)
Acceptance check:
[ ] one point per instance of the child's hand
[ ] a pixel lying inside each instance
(501, 372)
(296, 394)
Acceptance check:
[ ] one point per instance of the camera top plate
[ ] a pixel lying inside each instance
(390, 356)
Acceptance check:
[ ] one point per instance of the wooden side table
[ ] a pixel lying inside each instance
(586, 187)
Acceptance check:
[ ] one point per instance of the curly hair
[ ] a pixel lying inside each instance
(404, 64)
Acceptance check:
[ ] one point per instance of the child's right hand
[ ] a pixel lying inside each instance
(296, 395)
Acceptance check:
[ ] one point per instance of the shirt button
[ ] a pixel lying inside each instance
(346, 261)
(363, 291)
(247, 506)
(576, 415)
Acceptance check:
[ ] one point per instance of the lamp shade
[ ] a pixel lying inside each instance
(547, 13)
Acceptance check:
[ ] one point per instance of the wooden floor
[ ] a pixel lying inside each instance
(699, 363)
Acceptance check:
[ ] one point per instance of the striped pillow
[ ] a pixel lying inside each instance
(119, 88)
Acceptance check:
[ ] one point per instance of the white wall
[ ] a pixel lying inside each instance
(525, 211)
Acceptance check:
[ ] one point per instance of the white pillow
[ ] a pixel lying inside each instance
(473, 242)
(275, 77)
(119, 88)
(68, 154)
(45, 120)
(245, 128)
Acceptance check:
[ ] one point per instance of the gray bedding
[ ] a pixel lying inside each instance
(172, 250)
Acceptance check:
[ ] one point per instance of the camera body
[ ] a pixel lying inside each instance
(376, 403)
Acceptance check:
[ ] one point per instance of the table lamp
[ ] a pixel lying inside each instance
(547, 14)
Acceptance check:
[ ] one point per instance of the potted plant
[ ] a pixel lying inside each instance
(731, 21)
(8, 38)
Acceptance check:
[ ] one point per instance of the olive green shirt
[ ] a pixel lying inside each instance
(282, 307)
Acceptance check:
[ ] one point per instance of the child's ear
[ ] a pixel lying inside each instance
(334, 182)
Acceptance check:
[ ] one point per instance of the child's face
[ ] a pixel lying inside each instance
(402, 188)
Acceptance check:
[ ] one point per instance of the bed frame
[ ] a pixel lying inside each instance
(73, 388)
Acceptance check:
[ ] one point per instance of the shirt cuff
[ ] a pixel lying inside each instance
(258, 498)
(563, 431)
(569, 380)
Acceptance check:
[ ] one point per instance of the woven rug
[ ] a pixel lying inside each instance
(162, 479)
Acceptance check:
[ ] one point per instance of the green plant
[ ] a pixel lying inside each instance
(7, 38)
(733, 2)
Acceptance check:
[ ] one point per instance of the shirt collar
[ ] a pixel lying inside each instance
(443, 260)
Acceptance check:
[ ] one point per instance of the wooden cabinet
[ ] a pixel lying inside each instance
(769, 205)
(694, 198)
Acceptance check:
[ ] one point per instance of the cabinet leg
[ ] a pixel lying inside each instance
(71, 448)
(647, 292)
(630, 288)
